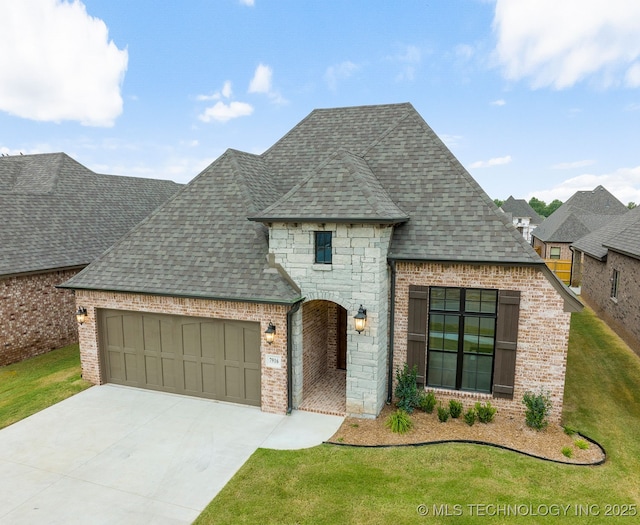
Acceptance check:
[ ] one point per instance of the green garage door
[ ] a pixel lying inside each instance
(213, 358)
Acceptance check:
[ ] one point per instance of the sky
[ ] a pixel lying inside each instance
(534, 97)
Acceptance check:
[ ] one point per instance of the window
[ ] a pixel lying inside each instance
(554, 252)
(615, 281)
(323, 247)
(461, 338)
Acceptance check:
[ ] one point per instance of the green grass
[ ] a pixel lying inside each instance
(329, 484)
(32, 385)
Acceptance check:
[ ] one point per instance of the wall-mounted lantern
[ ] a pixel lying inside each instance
(360, 319)
(81, 315)
(270, 333)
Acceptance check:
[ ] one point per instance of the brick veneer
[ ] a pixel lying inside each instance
(314, 345)
(543, 330)
(273, 380)
(35, 317)
(565, 251)
(622, 314)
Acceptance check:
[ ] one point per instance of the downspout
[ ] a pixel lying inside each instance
(392, 319)
(290, 313)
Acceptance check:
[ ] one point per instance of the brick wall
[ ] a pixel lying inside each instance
(273, 380)
(623, 313)
(314, 342)
(35, 317)
(543, 327)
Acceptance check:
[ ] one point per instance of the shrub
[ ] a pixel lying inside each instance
(407, 388)
(485, 412)
(538, 408)
(566, 451)
(455, 408)
(399, 422)
(569, 431)
(582, 444)
(427, 402)
(443, 414)
(470, 417)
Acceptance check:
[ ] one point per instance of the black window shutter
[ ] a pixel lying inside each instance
(504, 366)
(417, 330)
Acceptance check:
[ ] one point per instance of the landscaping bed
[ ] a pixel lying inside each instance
(502, 431)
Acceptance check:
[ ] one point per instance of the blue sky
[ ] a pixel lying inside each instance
(534, 97)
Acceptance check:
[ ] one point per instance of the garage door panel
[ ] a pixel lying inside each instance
(212, 358)
(191, 342)
(252, 385)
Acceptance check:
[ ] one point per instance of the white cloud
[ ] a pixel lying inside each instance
(409, 58)
(339, 72)
(249, 3)
(499, 102)
(261, 81)
(632, 107)
(59, 64)
(450, 140)
(573, 165)
(496, 161)
(559, 43)
(623, 183)
(225, 92)
(222, 112)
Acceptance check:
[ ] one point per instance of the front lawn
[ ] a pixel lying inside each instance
(32, 385)
(464, 483)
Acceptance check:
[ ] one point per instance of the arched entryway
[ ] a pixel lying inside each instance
(324, 357)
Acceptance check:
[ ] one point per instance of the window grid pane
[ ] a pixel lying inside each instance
(323, 247)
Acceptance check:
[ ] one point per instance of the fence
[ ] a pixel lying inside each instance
(562, 268)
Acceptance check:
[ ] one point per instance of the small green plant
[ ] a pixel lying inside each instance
(485, 412)
(399, 422)
(566, 451)
(569, 431)
(470, 417)
(581, 444)
(340, 440)
(427, 402)
(354, 425)
(538, 408)
(455, 408)
(443, 414)
(406, 388)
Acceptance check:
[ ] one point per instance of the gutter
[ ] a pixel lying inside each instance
(294, 308)
(392, 319)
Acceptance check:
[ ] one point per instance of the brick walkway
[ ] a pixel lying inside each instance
(327, 395)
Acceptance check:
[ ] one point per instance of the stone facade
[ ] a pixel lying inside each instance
(358, 275)
(622, 314)
(35, 316)
(273, 380)
(543, 329)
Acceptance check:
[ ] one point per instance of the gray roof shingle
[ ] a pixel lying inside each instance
(521, 208)
(384, 163)
(583, 213)
(60, 214)
(621, 234)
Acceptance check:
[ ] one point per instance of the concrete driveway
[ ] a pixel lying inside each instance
(114, 454)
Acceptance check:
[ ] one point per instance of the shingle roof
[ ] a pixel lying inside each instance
(621, 234)
(59, 214)
(383, 162)
(583, 213)
(521, 208)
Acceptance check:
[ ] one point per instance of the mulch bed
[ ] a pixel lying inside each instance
(502, 431)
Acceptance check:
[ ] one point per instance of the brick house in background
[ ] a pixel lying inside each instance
(57, 216)
(523, 216)
(607, 263)
(248, 285)
(583, 213)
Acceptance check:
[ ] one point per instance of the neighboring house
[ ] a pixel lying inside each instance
(607, 262)
(247, 286)
(583, 213)
(57, 216)
(523, 216)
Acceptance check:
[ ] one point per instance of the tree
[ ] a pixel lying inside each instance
(539, 206)
(631, 205)
(498, 202)
(553, 206)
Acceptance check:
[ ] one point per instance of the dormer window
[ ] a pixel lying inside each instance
(323, 247)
